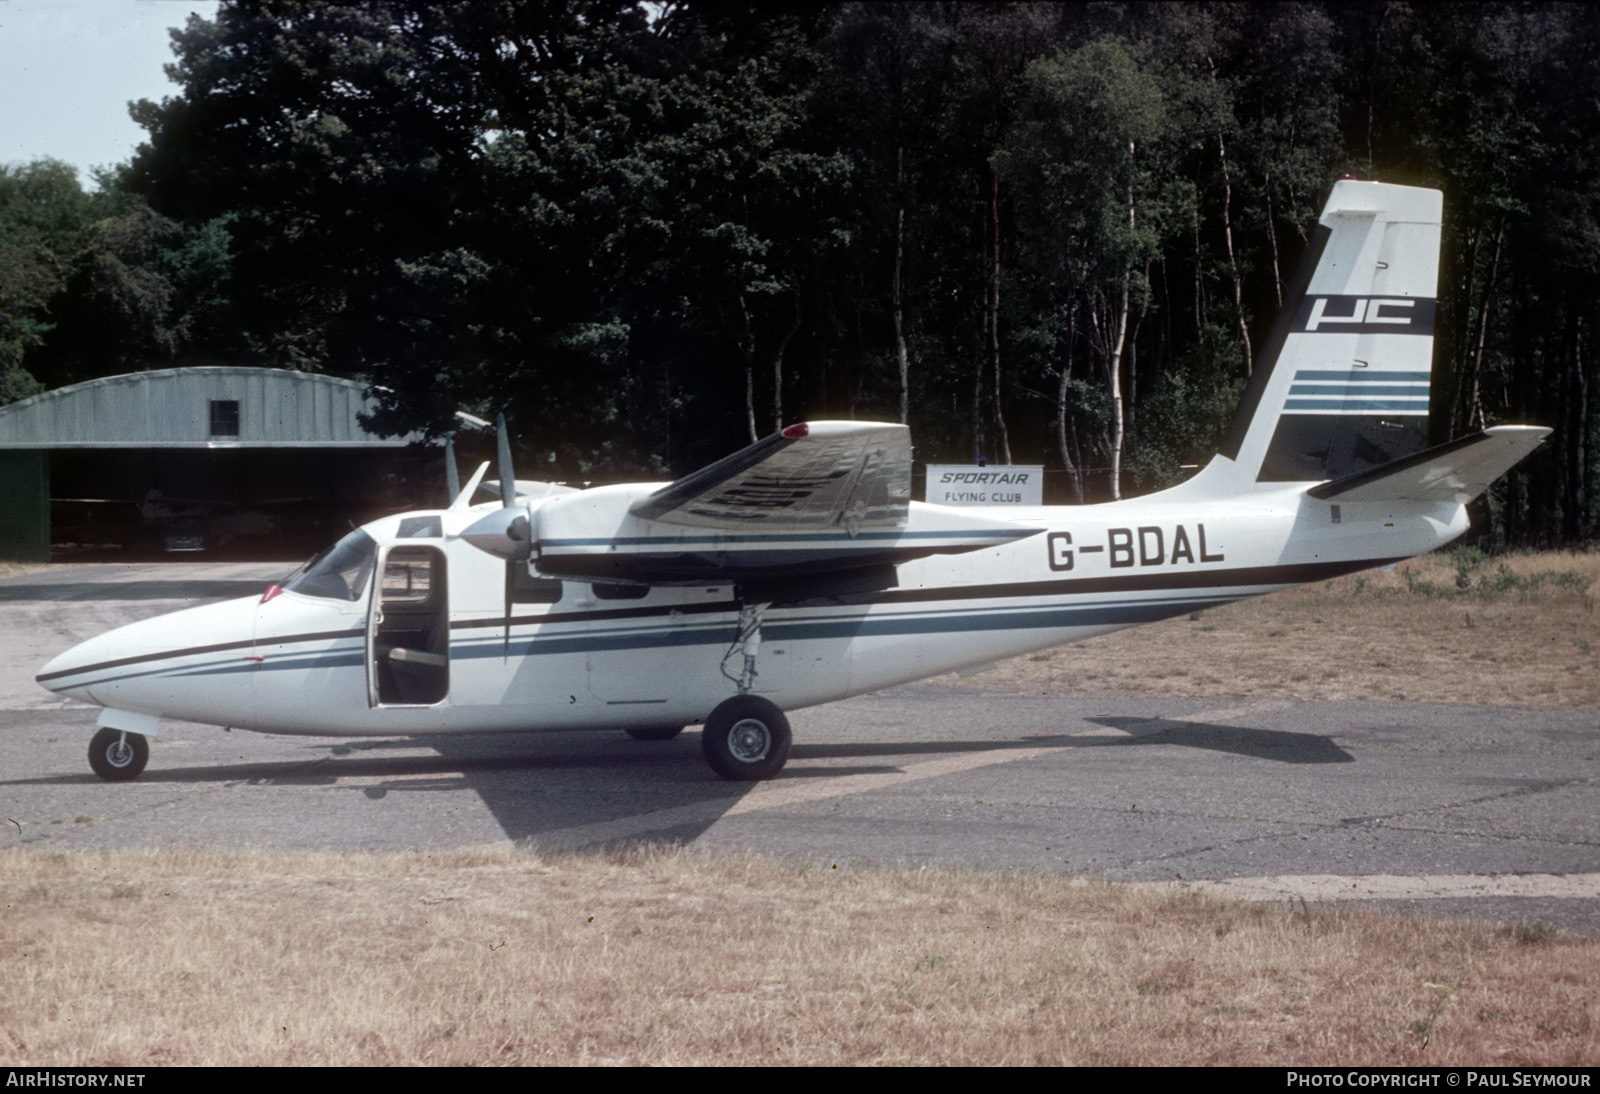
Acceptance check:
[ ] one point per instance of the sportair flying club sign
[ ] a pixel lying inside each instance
(963, 484)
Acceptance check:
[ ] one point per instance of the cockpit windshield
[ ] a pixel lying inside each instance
(340, 573)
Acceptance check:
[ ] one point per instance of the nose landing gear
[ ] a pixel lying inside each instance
(117, 755)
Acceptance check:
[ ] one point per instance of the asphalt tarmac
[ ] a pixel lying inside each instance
(1446, 809)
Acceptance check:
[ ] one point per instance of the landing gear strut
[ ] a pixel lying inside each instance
(118, 756)
(746, 738)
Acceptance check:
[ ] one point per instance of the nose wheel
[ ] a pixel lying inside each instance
(117, 756)
(746, 738)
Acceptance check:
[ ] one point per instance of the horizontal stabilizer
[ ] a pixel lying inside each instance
(1458, 471)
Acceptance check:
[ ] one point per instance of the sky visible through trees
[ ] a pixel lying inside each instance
(1037, 233)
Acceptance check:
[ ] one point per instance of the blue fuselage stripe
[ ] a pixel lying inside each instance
(716, 635)
(1418, 406)
(1413, 391)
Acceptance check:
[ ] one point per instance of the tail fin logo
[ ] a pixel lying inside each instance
(1365, 315)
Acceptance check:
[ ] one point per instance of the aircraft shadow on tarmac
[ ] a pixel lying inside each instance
(610, 790)
(1263, 744)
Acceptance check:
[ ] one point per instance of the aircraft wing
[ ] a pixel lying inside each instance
(814, 475)
(818, 499)
(1457, 471)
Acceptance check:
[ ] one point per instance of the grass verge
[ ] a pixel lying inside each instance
(1452, 627)
(674, 956)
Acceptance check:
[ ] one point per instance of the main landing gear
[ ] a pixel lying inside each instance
(117, 756)
(746, 738)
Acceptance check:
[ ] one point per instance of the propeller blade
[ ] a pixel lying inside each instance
(508, 481)
(452, 477)
(464, 499)
(505, 644)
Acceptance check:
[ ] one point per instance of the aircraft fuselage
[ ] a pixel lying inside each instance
(579, 655)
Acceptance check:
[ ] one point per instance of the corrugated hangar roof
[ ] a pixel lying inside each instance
(218, 406)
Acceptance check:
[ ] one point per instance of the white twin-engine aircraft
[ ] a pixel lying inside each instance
(798, 571)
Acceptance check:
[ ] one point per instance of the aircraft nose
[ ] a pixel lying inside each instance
(173, 665)
(68, 673)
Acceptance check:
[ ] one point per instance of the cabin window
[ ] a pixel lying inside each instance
(420, 528)
(340, 573)
(224, 417)
(411, 575)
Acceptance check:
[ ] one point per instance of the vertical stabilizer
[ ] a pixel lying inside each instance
(1342, 385)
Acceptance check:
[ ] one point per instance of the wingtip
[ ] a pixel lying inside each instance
(1540, 431)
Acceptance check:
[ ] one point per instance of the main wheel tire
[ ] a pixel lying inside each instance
(653, 733)
(117, 756)
(746, 738)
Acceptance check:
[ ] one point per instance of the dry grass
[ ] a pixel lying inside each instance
(1524, 631)
(677, 957)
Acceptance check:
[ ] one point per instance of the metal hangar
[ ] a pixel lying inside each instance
(214, 458)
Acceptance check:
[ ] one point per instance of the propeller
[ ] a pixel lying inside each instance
(504, 533)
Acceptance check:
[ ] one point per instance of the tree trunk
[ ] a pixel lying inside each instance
(1114, 370)
(1272, 240)
(994, 311)
(747, 346)
(1459, 349)
(1233, 265)
(1133, 356)
(1194, 229)
(1114, 363)
(901, 355)
(1474, 398)
(1578, 449)
(1074, 479)
(777, 366)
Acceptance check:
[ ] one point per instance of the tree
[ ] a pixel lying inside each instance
(1094, 147)
(44, 220)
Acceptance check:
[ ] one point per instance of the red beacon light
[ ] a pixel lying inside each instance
(799, 429)
(272, 591)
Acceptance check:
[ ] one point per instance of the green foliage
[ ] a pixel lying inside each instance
(641, 229)
(1183, 420)
(1423, 587)
(1476, 577)
(44, 222)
